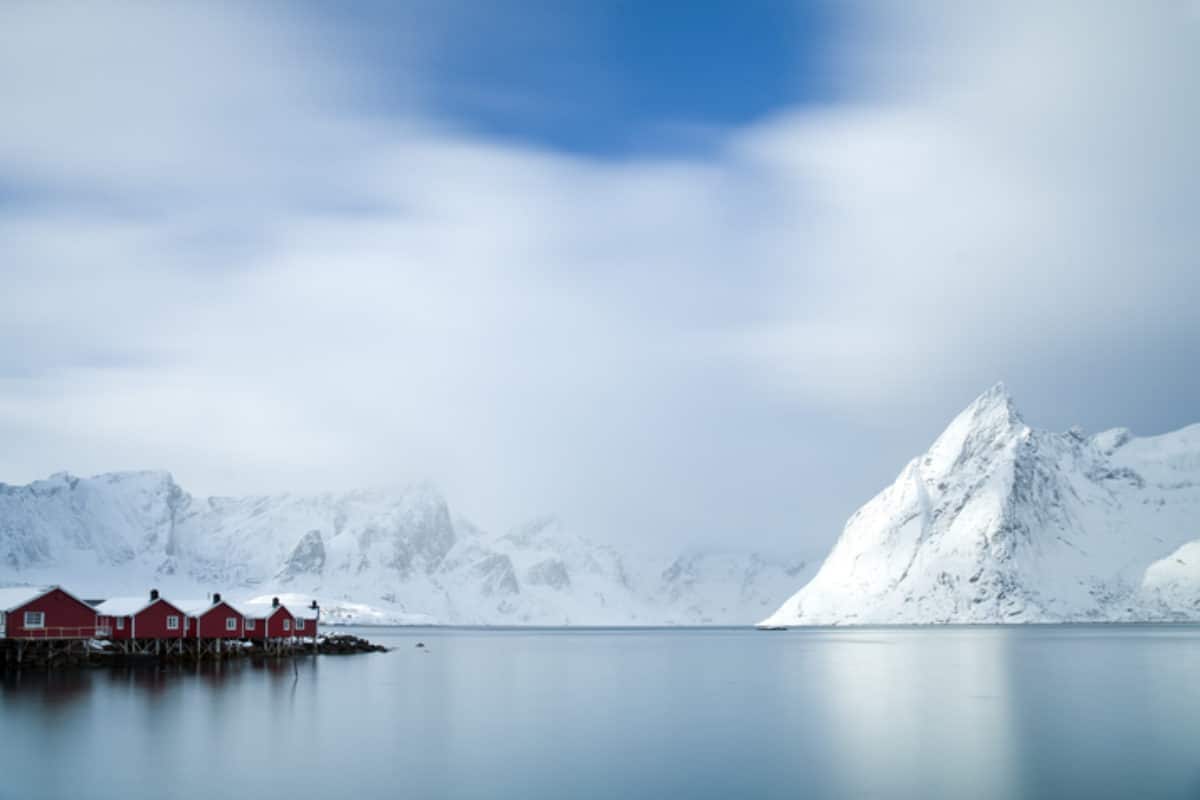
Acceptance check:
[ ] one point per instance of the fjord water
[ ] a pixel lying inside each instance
(988, 712)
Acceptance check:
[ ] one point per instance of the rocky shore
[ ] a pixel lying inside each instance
(344, 644)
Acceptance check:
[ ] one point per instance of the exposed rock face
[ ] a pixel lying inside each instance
(308, 557)
(999, 522)
(552, 572)
(496, 576)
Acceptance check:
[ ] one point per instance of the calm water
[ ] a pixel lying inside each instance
(1062, 712)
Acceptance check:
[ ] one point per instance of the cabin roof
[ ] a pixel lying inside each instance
(198, 608)
(17, 596)
(258, 610)
(301, 612)
(13, 598)
(295, 603)
(122, 606)
(129, 606)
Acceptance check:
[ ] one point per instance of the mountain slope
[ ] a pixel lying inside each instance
(999, 522)
(379, 556)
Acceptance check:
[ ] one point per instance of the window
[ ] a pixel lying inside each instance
(249, 624)
(299, 624)
(231, 623)
(172, 623)
(287, 624)
(35, 619)
(120, 623)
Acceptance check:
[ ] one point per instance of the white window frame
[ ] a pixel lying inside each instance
(120, 623)
(287, 624)
(249, 624)
(231, 623)
(173, 622)
(39, 616)
(299, 624)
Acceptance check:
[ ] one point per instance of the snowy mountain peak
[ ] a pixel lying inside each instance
(993, 407)
(999, 522)
(988, 422)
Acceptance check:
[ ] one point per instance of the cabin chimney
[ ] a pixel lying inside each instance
(153, 595)
(313, 606)
(274, 602)
(216, 598)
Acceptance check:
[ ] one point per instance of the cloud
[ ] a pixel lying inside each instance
(223, 255)
(1019, 199)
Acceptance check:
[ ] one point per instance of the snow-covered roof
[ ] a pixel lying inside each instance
(129, 606)
(123, 606)
(253, 610)
(301, 612)
(258, 610)
(198, 608)
(297, 604)
(17, 596)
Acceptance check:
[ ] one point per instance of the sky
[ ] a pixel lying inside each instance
(699, 276)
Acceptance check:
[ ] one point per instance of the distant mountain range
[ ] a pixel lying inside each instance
(1002, 523)
(369, 556)
(997, 523)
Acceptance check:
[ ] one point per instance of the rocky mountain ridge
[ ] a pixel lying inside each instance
(999, 522)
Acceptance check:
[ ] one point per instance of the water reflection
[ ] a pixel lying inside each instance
(915, 715)
(898, 713)
(51, 688)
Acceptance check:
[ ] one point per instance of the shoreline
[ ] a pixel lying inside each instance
(39, 654)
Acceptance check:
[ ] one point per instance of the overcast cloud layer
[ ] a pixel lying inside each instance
(222, 255)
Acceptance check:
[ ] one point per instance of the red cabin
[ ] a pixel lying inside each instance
(139, 618)
(306, 618)
(45, 613)
(272, 621)
(218, 620)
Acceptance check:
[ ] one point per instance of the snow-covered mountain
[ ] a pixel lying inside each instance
(999, 522)
(374, 556)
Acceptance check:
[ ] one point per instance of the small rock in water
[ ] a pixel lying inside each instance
(420, 644)
(344, 643)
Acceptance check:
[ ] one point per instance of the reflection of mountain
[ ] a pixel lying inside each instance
(882, 692)
(999, 522)
(369, 555)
